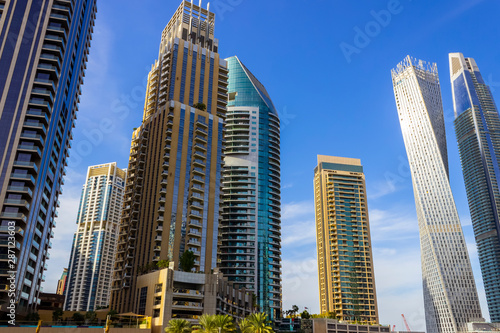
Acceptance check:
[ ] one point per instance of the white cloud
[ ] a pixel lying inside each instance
(301, 233)
(398, 279)
(466, 221)
(300, 276)
(381, 189)
(294, 210)
(298, 225)
(65, 228)
(393, 225)
(300, 284)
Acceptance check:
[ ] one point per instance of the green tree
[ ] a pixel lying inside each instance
(162, 264)
(224, 323)
(152, 267)
(178, 326)
(305, 315)
(57, 314)
(112, 315)
(91, 317)
(244, 326)
(78, 318)
(200, 106)
(255, 303)
(295, 310)
(186, 262)
(259, 323)
(33, 317)
(206, 324)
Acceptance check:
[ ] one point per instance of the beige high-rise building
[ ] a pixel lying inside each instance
(345, 264)
(93, 252)
(173, 189)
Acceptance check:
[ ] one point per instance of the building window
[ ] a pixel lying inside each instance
(143, 296)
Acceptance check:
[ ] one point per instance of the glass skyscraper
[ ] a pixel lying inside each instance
(44, 51)
(250, 231)
(345, 263)
(173, 190)
(88, 284)
(450, 295)
(477, 126)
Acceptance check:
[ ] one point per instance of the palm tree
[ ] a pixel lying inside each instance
(91, 317)
(244, 325)
(178, 326)
(259, 323)
(224, 323)
(206, 324)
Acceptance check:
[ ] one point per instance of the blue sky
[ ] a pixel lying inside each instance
(329, 104)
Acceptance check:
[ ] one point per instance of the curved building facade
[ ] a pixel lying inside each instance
(250, 240)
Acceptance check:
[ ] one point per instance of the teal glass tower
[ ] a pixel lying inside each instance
(42, 64)
(250, 242)
(477, 127)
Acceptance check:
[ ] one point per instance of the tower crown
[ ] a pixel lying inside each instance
(192, 23)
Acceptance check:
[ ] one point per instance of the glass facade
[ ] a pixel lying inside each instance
(41, 71)
(477, 127)
(250, 249)
(450, 295)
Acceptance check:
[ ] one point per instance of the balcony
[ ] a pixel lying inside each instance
(13, 216)
(17, 202)
(198, 179)
(197, 188)
(22, 176)
(59, 18)
(50, 68)
(35, 125)
(46, 83)
(187, 305)
(51, 58)
(24, 164)
(32, 136)
(20, 189)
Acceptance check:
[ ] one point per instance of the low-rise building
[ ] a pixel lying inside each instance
(51, 301)
(482, 327)
(325, 325)
(167, 294)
